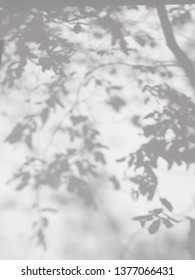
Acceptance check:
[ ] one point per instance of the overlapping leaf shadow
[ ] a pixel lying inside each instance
(170, 136)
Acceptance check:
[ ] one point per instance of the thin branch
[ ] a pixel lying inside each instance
(171, 42)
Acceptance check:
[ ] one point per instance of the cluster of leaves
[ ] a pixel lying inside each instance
(38, 42)
(23, 132)
(155, 218)
(170, 137)
(169, 132)
(49, 51)
(74, 169)
(84, 157)
(180, 15)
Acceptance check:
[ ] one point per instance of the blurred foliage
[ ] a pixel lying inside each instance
(169, 134)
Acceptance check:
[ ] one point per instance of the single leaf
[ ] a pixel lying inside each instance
(117, 103)
(166, 203)
(75, 183)
(156, 211)
(154, 227)
(121, 159)
(143, 218)
(16, 134)
(89, 144)
(78, 119)
(44, 115)
(25, 177)
(101, 146)
(123, 45)
(142, 223)
(115, 182)
(100, 157)
(28, 141)
(98, 82)
(80, 167)
(167, 223)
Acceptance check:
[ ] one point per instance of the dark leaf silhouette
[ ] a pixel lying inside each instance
(85, 194)
(154, 227)
(167, 223)
(156, 211)
(81, 168)
(121, 159)
(89, 144)
(78, 119)
(77, 73)
(24, 180)
(100, 157)
(16, 134)
(117, 103)
(28, 140)
(143, 218)
(75, 183)
(44, 115)
(166, 203)
(123, 46)
(115, 182)
(101, 146)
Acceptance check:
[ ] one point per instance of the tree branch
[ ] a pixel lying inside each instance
(180, 55)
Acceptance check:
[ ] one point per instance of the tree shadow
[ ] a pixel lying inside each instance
(36, 37)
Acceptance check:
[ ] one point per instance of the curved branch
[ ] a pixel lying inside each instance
(180, 55)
